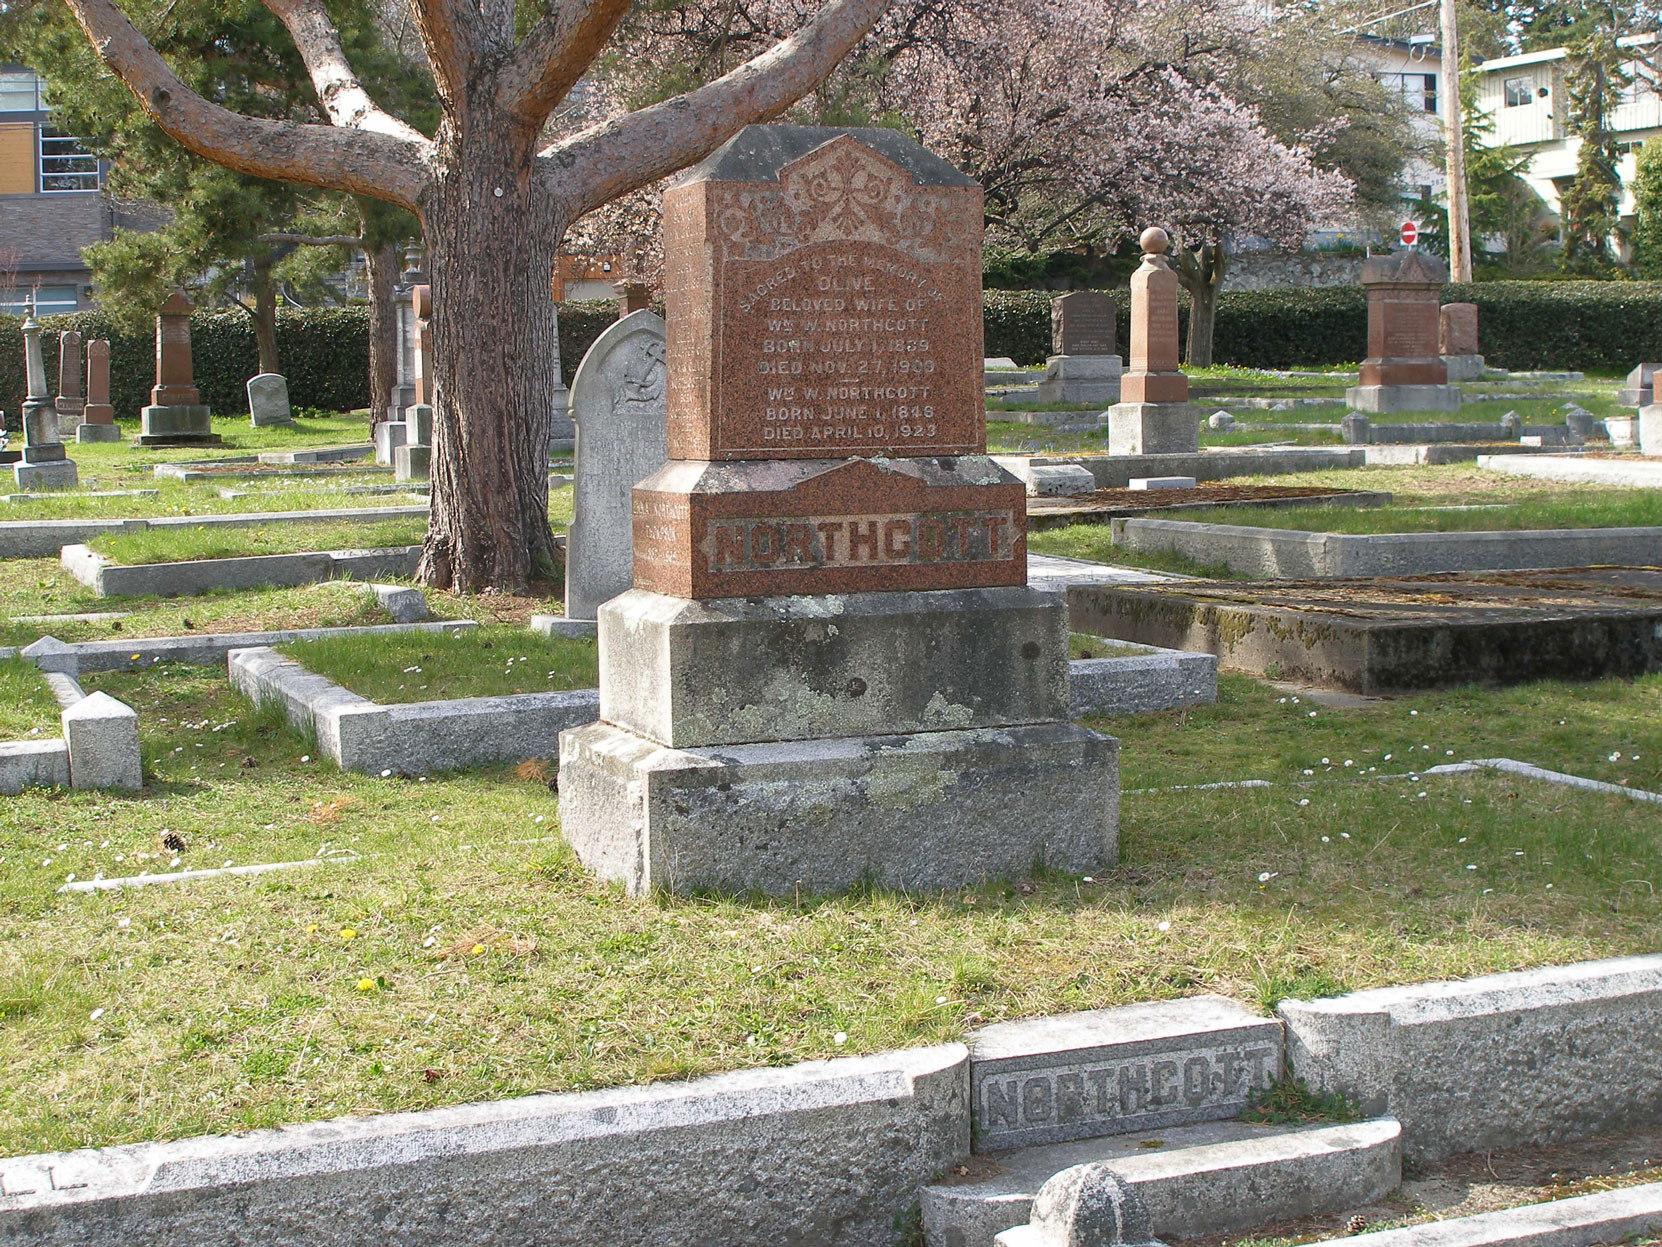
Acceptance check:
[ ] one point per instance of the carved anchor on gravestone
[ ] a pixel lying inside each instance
(44, 464)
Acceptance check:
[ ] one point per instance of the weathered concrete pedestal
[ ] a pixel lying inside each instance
(830, 670)
(1650, 430)
(97, 431)
(44, 464)
(1081, 379)
(1386, 398)
(389, 436)
(1153, 429)
(927, 810)
(1464, 367)
(412, 460)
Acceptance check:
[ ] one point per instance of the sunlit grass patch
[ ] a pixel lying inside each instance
(435, 666)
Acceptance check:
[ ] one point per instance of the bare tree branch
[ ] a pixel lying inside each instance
(554, 54)
(364, 163)
(602, 162)
(344, 98)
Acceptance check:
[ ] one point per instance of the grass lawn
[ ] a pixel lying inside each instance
(172, 545)
(461, 954)
(1095, 543)
(311, 428)
(1006, 437)
(27, 707)
(43, 587)
(435, 666)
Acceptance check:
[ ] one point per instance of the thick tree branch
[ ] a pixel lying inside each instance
(344, 98)
(553, 55)
(358, 161)
(451, 34)
(602, 162)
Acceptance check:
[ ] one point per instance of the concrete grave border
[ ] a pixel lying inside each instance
(38, 539)
(194, 576)
(209, 649)
(420, 737)
(1292, 554)
(849, 1144)
(99, 745)
(357, 734)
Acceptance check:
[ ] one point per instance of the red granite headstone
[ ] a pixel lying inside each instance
(1082, 323)
(1154, 375)
(98, 409)
(1403, 319)
(175, 383)
(1458, 332)
(827, 427)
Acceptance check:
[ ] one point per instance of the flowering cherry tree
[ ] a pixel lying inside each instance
(494, 196)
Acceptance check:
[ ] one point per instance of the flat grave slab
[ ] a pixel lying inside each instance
(1580, 469)
(1382, 635)
(1107, 504)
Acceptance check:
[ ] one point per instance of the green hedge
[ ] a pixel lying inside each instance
(324, 353)
(1522, 325)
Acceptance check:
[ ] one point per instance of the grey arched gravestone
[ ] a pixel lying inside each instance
(617, 403)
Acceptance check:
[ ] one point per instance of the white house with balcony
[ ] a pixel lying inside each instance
(1526, 98)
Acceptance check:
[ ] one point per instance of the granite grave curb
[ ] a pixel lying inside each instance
(1161, 679)
(194, 576)
(1577, 470)
(415, 737)
(209, 648)
(1116, 471)
(38, 539)
(1214, 1178)
(1607, 1217)
(98, 748)
(847, 1144)
(1532, 1057)
(1291, 554)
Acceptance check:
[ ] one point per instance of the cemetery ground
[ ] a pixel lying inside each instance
(1457, 497)
(445, 947)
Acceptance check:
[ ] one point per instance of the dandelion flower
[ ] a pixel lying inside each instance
(347, 933)
(366, 985)
(477, 949)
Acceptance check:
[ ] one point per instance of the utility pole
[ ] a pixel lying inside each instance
(1459, 219)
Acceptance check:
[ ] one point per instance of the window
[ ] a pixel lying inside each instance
(49, 300)
(19, 92)
(1428, 95)
(1519, 91)
(1420, 90)
(64, 164)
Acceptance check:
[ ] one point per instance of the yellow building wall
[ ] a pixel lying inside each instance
(17, 159)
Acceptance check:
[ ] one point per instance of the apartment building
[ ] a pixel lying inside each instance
(52, 202)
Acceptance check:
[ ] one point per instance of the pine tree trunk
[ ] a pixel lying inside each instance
(491, 236)
(382, 264)
(265, 316)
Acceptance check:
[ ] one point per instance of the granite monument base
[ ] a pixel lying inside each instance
(1386, 398)
(1081, 379)
(1650, 430)
(724, 671)
(1464, 367)
(928, 810)
(177, 426)
(89, 432)
(389, 436)
(411, 463)
(45, 467)
(1153, 429)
